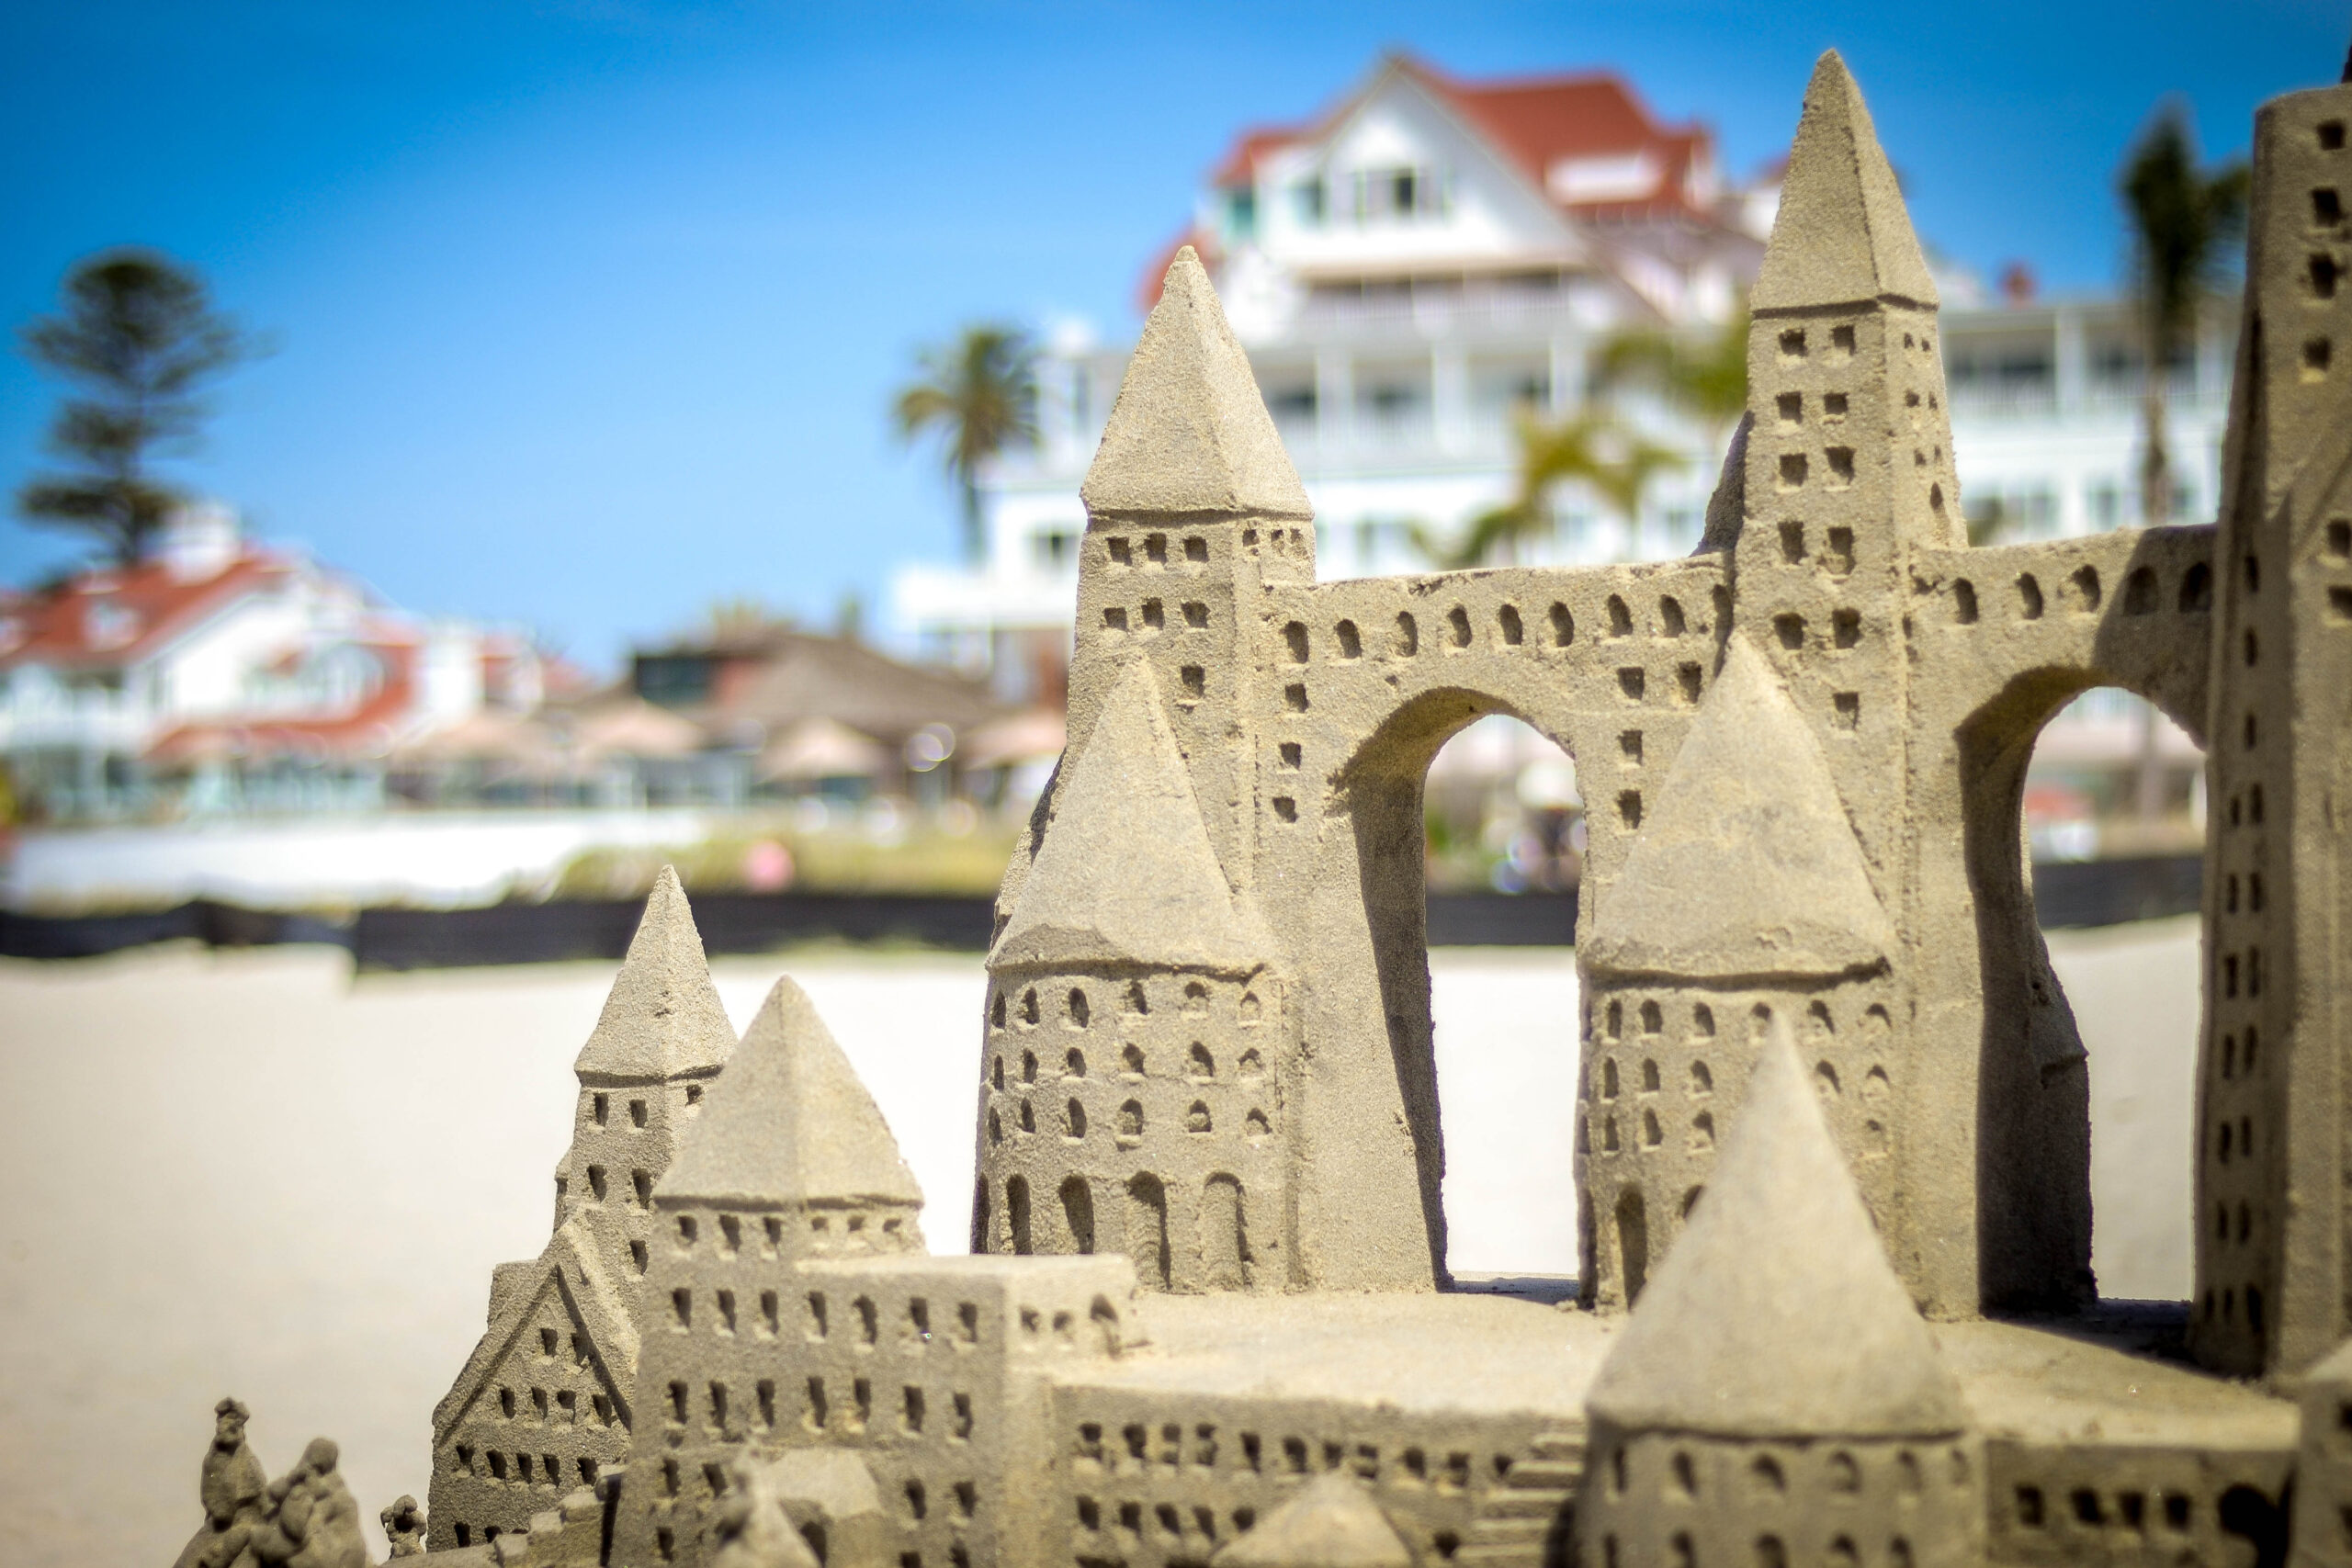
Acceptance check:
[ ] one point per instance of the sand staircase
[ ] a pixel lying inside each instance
(1522, 1521)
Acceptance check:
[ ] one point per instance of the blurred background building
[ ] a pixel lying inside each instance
(221, 676)
(1442, 285)
(229, 718)
(1433, 263)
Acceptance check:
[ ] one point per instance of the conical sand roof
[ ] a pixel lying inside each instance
(1190, 432)
(1776, 1313)
(1127, 874)
(662, 1016)
(1332, 1522)
(1843, 234)
(788, 1122)
(1747, 866)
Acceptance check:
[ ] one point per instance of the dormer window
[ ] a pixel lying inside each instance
(1055, 549)
(1306, 203)
(1397, 195)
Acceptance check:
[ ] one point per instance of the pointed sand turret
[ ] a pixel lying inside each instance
(1128, 874)
(789, 1122)
(1331, 1523)
(662, 1016)
(1776, 1313)
(1750, 866)
(1190, 432)
(1843, 234)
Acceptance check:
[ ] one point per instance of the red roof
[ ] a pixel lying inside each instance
(1240, 164)
(108, 619)
(1537, 122)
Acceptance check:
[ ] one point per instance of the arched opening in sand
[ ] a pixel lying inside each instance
(2084, 804)
(1495, 805)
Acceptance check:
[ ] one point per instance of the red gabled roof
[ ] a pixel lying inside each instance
(108, 619)
(1535, 122)
(1240, 164)
(1539, 121)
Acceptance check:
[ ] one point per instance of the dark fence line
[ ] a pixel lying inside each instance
(749, 922)
(2112, 892)
(2085, 893)
(213, 924)
(729, 922)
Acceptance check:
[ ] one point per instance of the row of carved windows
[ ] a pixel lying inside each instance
(909, 1414)
(1199, 1065)
(1141, 1448)
(1127, 1126)
(560, 1408)
(520, 1468)
(1077, 1009)
(2081, 592)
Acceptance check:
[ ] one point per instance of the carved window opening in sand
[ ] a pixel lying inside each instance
(1225, 1236)
(1078, 1213)
(1016, 1214)
(1148, 1229)
(1633, 1243)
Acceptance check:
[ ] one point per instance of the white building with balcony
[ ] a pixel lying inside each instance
(1433, 255)
(218, 675)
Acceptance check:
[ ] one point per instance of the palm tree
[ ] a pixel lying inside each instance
(980, 393)
(1704, 379)
(2182, 224)
(1618, 465)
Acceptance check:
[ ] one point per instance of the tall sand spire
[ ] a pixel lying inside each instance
(1843, 234)
(1190, 432)
(662, 1016)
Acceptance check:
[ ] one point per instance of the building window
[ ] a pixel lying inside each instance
(1306, 202)
(1394, 192)
(1293, 406)
(1241, 212)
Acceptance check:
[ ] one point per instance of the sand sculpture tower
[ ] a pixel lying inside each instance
(1137, 1041)
(546, 1396)
(2274, 1287)
(1765, 881)
(790, 1161)
(1191, 505)
(1776, 1397)
(1136, 1061)
(1848, 463)
(1745, 903)
(662, 1039)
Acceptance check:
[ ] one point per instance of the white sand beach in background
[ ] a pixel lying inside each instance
(252, 1173)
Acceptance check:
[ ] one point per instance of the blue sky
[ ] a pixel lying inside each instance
(588, 311)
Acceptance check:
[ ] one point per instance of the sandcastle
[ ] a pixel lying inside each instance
(1833, 1110)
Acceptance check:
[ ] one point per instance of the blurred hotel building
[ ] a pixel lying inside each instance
(218, 675)
(1434, 256)
(232, 720)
